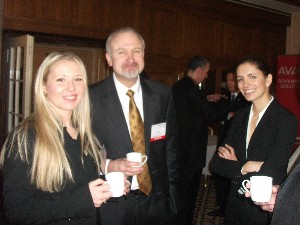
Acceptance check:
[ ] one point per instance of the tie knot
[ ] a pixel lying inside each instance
(130, 93)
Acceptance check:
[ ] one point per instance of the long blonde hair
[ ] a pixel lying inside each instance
(50, 167)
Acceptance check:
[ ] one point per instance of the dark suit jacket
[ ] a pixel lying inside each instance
(194, 113)
(110, 127)
(287, 205)
(271, 142)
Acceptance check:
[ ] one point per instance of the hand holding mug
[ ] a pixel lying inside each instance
(137, 157)
(99, 190)
(124, 166)
(261, 188)
(267, 206)
(116, 180)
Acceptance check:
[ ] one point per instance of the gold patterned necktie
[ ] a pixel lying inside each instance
(138, 142)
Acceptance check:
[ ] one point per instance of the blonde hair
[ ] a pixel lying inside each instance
(50, 167)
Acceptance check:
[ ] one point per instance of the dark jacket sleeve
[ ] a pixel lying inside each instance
(230, 168)
(172, 153)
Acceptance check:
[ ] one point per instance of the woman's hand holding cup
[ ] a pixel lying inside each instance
(99, 191)
(261, 188)
(267, 206)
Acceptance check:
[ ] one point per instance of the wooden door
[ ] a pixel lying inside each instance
(19, 63)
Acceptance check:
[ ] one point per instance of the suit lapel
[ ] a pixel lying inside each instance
(112, 105)
(243, 137)
(148, 106)
(264, 123)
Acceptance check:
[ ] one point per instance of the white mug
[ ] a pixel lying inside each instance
(137, 157)
(261, 188)
(116, 180)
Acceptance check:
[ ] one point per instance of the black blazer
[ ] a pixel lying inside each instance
(271, 142)
(194, 112)
(110, 127)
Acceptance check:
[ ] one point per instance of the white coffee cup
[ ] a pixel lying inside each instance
(261, 188)
(116, 180)
(137, 157)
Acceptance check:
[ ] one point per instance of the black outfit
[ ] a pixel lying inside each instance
(222, 184)
(110, 127)
(271, 142)
(25, 204)
(194, 113)
(287, 203)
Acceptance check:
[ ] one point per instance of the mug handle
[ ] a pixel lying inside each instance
(144, 159)
(244, 185)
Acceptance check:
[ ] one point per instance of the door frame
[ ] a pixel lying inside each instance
(2, 99)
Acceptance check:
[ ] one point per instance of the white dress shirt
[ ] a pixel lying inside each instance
(259, 118)
(124, 99)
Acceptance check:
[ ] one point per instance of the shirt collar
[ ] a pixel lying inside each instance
(122, 89)
(263, 111)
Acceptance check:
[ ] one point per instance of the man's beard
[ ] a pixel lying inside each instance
(130, 75)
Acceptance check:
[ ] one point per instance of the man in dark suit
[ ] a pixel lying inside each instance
(194, 113)
(235, 100)
(110, 107)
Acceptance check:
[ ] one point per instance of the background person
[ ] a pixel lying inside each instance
(194, 112)
(111, 123)
(51, 162)
(258, 142)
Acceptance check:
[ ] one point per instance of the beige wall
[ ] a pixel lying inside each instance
(293, 36)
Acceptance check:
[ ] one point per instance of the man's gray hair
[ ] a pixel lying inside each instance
(123, 30)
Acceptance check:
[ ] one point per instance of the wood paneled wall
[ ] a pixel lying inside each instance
(174, 30)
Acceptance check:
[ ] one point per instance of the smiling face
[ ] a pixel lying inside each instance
(64, 86)
(252, 82)
(126, 56)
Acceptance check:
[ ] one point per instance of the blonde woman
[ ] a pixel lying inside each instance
(51, 162)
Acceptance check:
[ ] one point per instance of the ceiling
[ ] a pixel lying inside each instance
(287, 7)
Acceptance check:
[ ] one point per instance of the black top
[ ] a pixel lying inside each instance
(25, 204)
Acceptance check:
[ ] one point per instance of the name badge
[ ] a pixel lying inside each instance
(158, 132)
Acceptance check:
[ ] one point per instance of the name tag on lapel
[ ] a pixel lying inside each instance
(158, 132)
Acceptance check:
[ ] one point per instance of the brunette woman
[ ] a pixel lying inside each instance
(258, 142)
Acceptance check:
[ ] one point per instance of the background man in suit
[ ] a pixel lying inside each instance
(111, 123)
(194, 113)
(235, 100)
